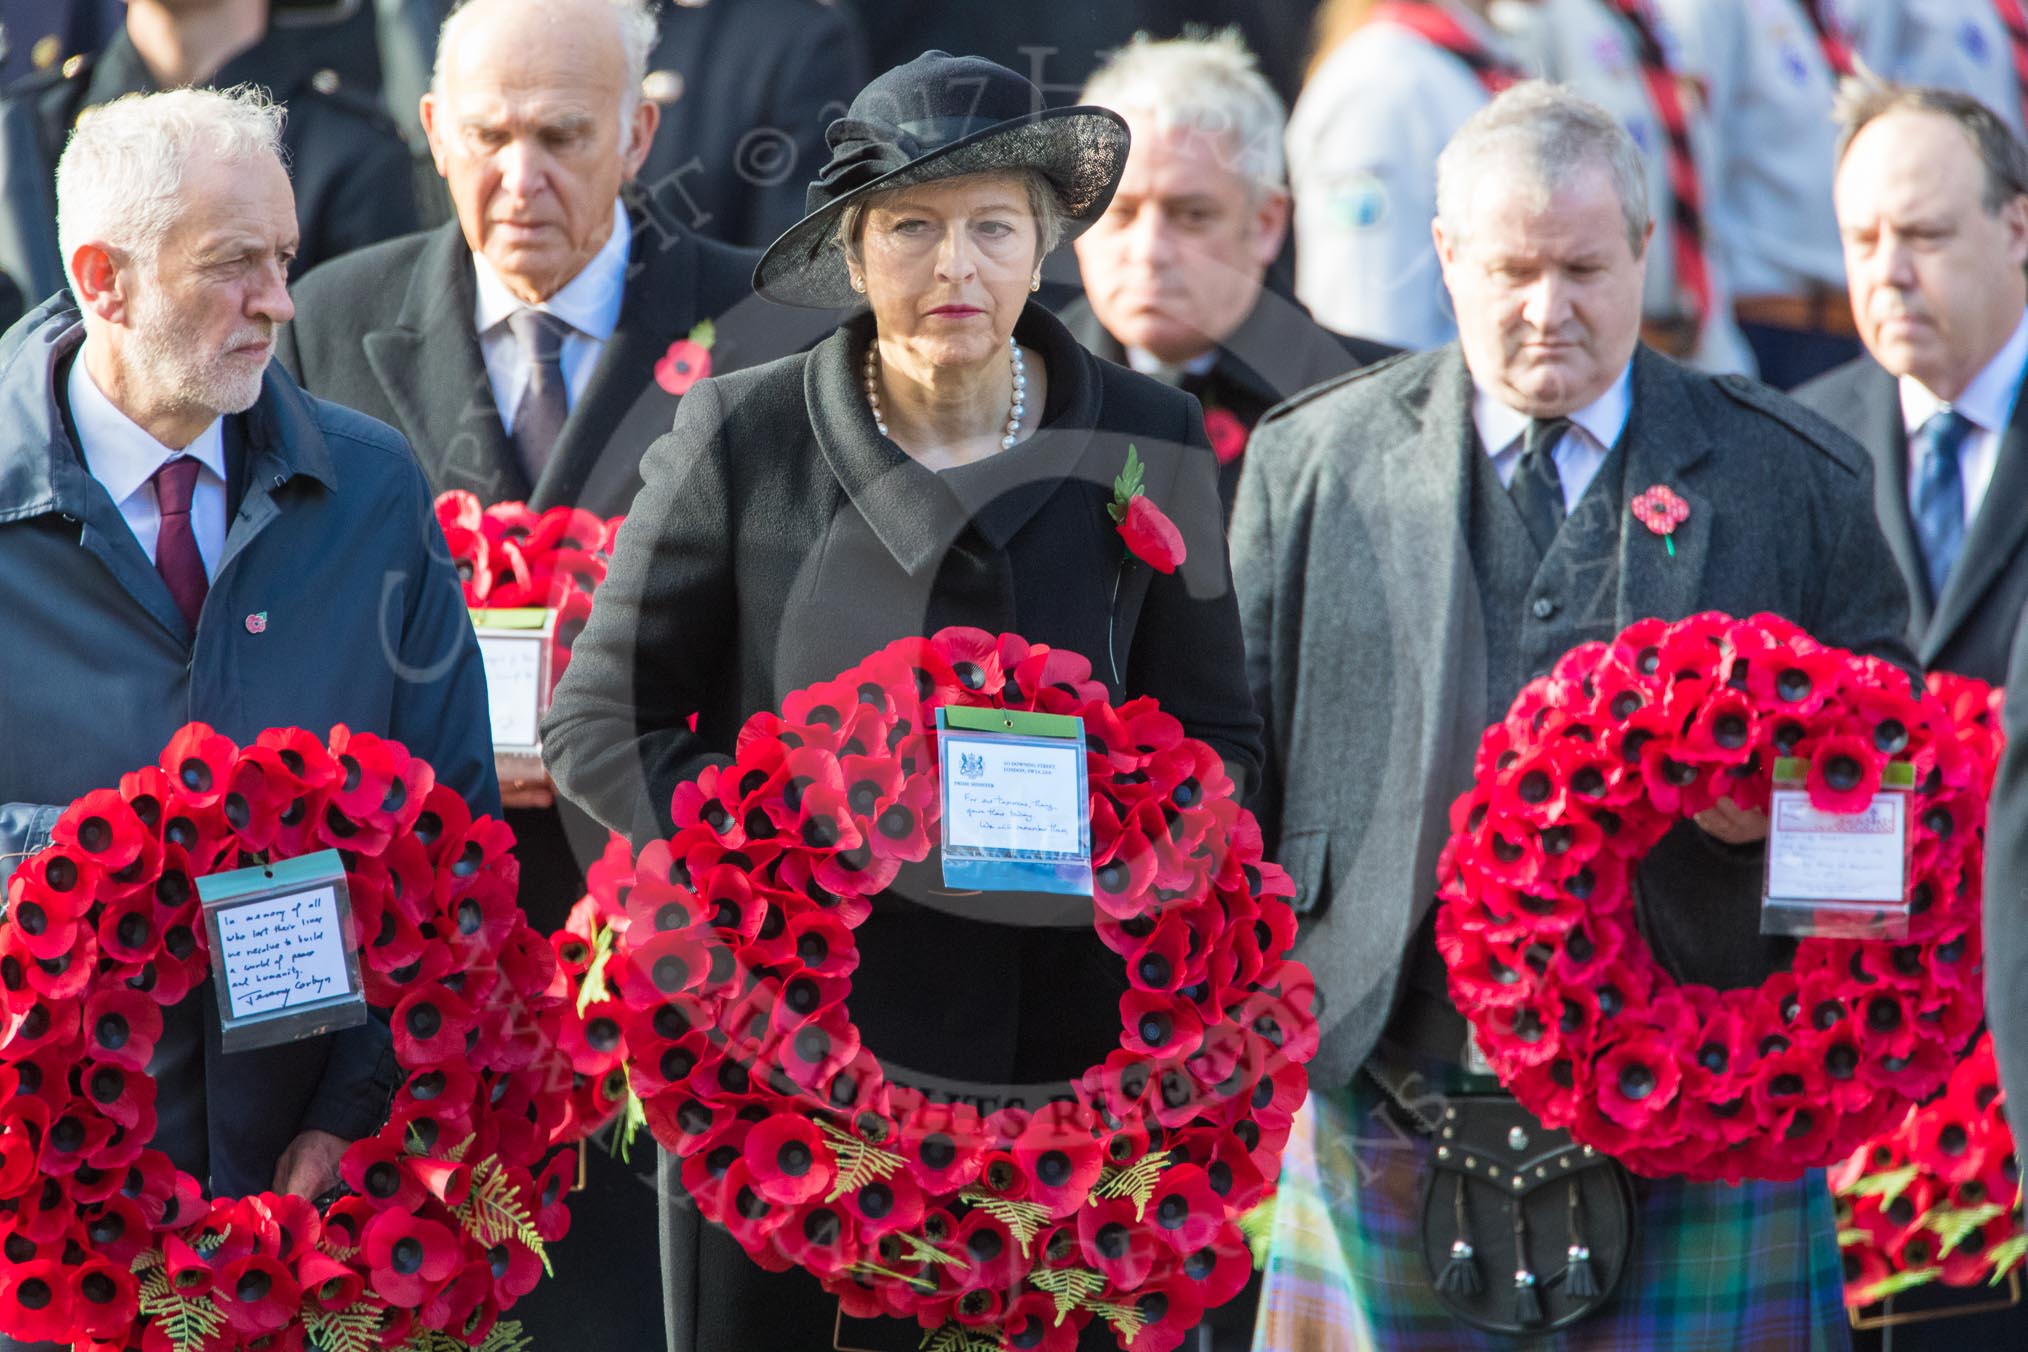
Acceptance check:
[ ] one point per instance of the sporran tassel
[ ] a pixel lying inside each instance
(1461, 1273)
(1527, 1300)
(1580, 1282)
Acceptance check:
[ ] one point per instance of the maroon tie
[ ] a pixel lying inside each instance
(176, 556)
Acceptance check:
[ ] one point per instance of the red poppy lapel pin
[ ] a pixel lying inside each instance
(1228, 434)
(688, 360)
(1661, 511)
(1150, 535)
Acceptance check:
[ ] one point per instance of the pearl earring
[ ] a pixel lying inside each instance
(1035, 282)
(859, 285)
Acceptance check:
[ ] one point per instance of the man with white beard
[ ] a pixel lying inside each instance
(186, 536)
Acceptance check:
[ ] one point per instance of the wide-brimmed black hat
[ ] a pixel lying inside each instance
(941, 116)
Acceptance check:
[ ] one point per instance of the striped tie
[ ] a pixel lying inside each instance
(1693, 273)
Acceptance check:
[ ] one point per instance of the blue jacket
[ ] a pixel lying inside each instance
(335, 543)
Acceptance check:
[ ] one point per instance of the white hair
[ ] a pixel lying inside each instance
(638, 30)
(121, 174)
(1550, 132)
(1210, 83)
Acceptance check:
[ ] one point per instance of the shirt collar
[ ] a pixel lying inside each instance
(1148, 364)
(1988, 402)
(118, 451)
(1603, 419)
(588, 302)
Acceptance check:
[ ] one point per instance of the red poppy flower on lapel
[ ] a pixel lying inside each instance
(1150, 535)
(1227, 434)
(688, 360)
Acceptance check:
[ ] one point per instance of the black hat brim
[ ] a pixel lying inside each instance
(1081, 151)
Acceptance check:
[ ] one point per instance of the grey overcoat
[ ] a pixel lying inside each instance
(1365, 640)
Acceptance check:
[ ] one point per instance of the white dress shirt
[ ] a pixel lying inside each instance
(1594, 430)
(588, 302)
(1987, 403)
(124, 458)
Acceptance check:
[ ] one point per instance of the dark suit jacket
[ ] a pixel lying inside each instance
(1365, 638)
(389, 331)
(1970, 628)
(779, 540)
(1276, 352)
(351, 171)
(334, 543)
(755, 84)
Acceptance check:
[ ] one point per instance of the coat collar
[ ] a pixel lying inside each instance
(40, 471)
(1662, 443)
(911, 509)
(278, 63)
(1875, 421)
(1276, 335)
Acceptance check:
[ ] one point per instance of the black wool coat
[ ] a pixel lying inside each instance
(778, 540)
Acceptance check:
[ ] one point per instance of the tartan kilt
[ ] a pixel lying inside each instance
(1717, 1268)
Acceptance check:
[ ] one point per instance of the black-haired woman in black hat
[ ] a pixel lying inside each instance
(946, 457)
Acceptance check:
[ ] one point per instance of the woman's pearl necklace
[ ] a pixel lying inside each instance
(1014, 412)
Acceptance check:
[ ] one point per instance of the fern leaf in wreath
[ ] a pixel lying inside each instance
(1070, 1286)
(1023, 1219)
(189, 1324)
(494, 1212)
(859, 1162)
(356, 1328)
(1137, 1182)
(958, 1338)
(1127, 1320)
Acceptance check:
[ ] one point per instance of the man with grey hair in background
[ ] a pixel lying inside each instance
(186, 536)
(1414, 543)
(1175, 272)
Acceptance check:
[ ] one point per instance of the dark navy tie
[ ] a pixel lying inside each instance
(1537, 489)
(538, 418)
(1940, 493)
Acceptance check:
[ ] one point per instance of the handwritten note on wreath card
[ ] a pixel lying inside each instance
(281, 952)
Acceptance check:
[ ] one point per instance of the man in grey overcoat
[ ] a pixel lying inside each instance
(186, 536)
(1411, 544)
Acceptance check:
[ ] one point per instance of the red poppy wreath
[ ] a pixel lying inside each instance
(1591, 766)
(729, 949)
(104, 1243)
(509, 556)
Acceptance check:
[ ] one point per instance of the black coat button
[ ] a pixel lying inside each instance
(1543, 607)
